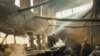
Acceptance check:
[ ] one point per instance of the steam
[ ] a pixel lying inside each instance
(15, 50)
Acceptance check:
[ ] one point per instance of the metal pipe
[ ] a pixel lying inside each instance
(4, 39)
(35, 6)
(68, 19)
(76, 26)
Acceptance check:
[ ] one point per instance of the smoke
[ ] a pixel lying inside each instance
(15, 50)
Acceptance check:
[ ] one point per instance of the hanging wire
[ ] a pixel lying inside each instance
(94, 15)
(86, 37)
(87, 26)
(25, 21)
(91, 28)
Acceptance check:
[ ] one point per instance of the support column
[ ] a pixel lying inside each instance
(15, 39)
(44, 42)
(4, 39)
(30, 34)
(39, 41)
(31, 41)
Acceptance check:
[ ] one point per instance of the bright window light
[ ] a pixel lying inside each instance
(2, 34)
(75, 10)
(89, 5)
(17, 3)
(59, 15)
(80, 8)
(64, 13)
(67, 12)
(31, 2)
(1, 39)
(20, 40)
(10, 39)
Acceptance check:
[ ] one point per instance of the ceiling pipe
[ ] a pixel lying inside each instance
(35, 6)
(69, 19)
(76, 26)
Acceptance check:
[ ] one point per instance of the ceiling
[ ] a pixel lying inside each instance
(59, 5)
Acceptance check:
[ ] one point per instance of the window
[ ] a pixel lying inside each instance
(17, 3)
(81, 8)
(72, 11)
(64, 13)
(31, 3)
(10, 39)
(59, 14)
(69, 12)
